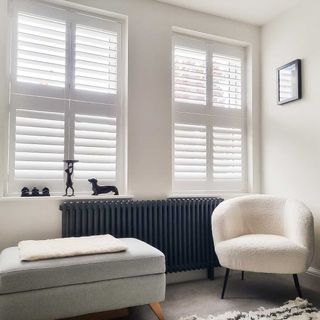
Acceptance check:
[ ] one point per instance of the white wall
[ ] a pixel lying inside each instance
(149, 106)
(150, 33)
(28, 219)
(3, 90)
(291, 133)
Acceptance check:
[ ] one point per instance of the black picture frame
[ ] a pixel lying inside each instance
(289, 82)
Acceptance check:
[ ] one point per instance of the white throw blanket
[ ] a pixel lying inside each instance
(31, 250)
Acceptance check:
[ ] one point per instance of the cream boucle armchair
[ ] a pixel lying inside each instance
(262, 233)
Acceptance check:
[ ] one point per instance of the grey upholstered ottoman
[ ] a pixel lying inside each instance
(67, 287)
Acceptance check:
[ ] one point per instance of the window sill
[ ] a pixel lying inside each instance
(220, 194)
(62, 198)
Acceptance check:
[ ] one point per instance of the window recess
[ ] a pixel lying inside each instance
(66, 95)
(209, 112)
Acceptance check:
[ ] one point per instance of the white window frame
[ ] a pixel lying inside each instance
(65, 99)
(210, 116)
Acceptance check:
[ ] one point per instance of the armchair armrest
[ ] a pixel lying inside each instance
(226, 221)
(299, 225)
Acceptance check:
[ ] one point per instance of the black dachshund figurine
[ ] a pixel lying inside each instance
(102, 189)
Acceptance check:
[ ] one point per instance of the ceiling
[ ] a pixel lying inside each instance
(256, 12)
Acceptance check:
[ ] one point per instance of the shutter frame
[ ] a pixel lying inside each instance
(36, 97)
(213, 117)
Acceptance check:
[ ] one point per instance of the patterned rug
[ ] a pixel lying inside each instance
(298, 309)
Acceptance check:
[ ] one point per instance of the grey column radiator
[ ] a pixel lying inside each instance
(180, 228)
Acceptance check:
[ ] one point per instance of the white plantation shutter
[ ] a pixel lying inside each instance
(41, 50)
(39, 144)
(227, 153)
(190, 75)
(96, 60)
(226, 82)
(190, 152)
(65, 99)
(95, 147)
(209, 141)
(96, 131)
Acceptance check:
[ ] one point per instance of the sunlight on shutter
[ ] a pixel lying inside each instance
(96, 60)
(39, 148)
(95, 147)
(189, 152)
(190, 75)
(227, 153)
(226, 82)
(41, 50)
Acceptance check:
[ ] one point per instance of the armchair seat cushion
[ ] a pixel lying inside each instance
(263, 253)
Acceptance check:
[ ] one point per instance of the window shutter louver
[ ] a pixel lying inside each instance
(95, 147)
(227, 153)
(39, 145)
(226, 82)
(41, 50)
(190, 152)
(96, 60)
(190, 75)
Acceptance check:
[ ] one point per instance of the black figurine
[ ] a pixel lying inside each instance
(35, 192)
(25, 192)
(45, 192)
(69, 172)
(102, 189)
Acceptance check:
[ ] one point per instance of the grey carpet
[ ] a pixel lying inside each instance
(203, 297)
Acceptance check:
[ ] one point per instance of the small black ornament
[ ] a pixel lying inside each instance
(25, 192)
(45, 192)
(69, 172)
(102, 189)
(35, 192)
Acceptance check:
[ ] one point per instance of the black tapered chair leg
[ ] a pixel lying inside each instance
(297, 285)
(225, 282)
(242, 275)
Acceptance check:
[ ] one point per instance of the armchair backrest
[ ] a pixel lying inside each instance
(254, 214)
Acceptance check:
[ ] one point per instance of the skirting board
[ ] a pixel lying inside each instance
(310, 279)
(314, 272)
(184, 276)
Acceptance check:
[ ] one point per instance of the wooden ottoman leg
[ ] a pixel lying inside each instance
(156, 308)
